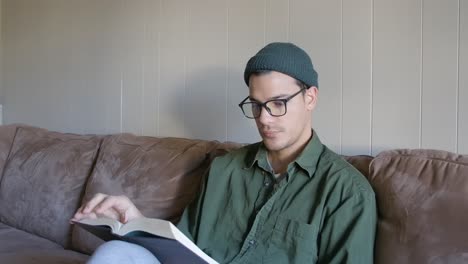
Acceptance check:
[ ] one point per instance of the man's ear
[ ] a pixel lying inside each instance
(311, 96)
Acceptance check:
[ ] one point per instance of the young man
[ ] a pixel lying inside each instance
(286, 199)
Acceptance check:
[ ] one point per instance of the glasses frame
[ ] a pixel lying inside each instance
(264, 105)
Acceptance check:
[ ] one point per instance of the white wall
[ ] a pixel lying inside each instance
(392, 73)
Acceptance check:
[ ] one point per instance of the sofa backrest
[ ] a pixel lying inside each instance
(7, 134)
(422, 198)
(360, 162)
(422, 195)
(160, 175)
(43, 180)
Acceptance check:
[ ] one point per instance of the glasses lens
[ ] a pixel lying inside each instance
(277, 107)
(251, 110)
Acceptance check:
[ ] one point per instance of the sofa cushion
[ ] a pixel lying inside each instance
(160, 175)
(50, 256)
(13, 240)
(43, 181)
(7, 134)
(17, 246)
(422, 198)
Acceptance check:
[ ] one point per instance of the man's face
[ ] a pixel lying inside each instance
(292, 130)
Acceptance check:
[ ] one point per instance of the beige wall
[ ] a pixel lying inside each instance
(1, 61)
(393, 73)
(1, 72)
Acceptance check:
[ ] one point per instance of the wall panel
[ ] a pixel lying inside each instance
(277, 20)
(131, 45)
(109, 61)
(151, 56)
(316, 26)
(90, 67)
(1, 59)
(439, 74)
(173, 48)
(206, 70)
(245, 38)
(34, 62)
(357, 74)
(396, 75)
(462, 103)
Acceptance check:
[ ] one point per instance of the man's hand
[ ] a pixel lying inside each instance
(116, 207)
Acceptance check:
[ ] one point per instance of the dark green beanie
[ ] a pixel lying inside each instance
(286, 58)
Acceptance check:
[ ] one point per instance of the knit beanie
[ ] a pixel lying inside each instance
(286, 58)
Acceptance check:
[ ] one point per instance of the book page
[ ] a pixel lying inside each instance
(153, 226)
(189, 244)
(103, 221)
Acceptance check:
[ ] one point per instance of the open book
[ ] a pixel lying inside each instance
(160, 237)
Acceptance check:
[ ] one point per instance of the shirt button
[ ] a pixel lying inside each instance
(251, 242)
(266, 184)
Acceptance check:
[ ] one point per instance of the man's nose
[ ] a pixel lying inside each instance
(264, 116)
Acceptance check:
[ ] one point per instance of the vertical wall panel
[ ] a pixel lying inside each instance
(79, 65)
(206, 70)
(54, 60)
(18, 28)
(463, 80)
(1, 60)
(33, 82)
(108, 60)
(90, 69)
(440, 84)
(132, 47)
(277, 20)
(246, 37)
(396, 74)
(52, 81)
(357, 52)
(316, 26)
(152, 22)
(173, 44)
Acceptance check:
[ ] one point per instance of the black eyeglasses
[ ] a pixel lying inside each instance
(275, 107)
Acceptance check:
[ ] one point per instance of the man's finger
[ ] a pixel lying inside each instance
(110, 202)
(79, 216)
(91, 204)
(111, 213)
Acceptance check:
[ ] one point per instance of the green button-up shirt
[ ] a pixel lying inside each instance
(322, 211)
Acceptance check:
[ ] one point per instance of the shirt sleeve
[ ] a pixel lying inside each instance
(348, 231)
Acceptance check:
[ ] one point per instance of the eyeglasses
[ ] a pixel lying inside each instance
(275, 107)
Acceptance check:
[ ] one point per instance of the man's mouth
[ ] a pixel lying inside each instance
(269, 133)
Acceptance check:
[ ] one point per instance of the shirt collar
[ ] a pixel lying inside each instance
(307, 160)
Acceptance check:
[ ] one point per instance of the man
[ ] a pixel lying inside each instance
(287, 199)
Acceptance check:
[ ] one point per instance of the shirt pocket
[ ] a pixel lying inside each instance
(292, 242)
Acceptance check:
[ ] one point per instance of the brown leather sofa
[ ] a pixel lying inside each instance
(422, 195)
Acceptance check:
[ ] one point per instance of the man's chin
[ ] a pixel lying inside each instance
(271, 145)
